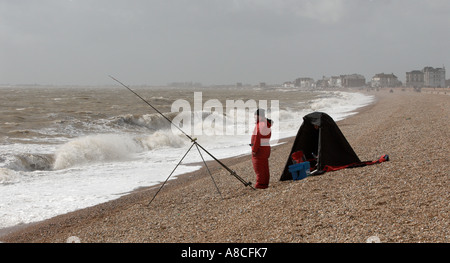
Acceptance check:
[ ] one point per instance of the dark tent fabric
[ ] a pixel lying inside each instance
(319, 136)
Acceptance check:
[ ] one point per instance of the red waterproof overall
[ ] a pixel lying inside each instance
(261, 153)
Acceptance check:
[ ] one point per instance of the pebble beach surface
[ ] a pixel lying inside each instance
(403, 200)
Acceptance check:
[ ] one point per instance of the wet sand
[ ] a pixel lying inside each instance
(403, 200)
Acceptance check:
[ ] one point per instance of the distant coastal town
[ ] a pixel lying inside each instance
(417, 79)
(428, 77)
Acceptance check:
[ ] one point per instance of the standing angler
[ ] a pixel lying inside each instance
(261, 149)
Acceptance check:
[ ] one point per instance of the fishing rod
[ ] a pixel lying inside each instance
(190, 138)
(193, 140)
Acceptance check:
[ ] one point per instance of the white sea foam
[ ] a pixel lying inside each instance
(95, 149)
(340, 104)
(111, 147)
(8, 176)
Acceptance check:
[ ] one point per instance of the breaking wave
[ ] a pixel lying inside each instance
(153, 122)
(150, 121)
(110, 147)
(90, 149)
(340, 104)
(31, 162)
(8, 176)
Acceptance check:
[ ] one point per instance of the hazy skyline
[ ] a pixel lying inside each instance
(156, 42)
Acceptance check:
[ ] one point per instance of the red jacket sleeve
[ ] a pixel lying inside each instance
(256, 138)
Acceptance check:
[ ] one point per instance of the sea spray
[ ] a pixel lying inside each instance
(339, 105)
(162, 139)
(94, 149)
(111, 147)
(32, 162)
(8, 176)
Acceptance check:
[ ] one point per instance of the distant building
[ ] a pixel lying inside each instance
(336, 81)
(188, 84)
(353, 81)
(305, 83)
(323, 83)
(428, 77)
(434, 77)
(414, 79)
(330, 82)
(288, 84)
(385, 80)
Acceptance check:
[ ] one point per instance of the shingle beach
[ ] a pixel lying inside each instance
(406, 199)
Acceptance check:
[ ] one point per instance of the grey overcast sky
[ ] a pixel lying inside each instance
(156, 42)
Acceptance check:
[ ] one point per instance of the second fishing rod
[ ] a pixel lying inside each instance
(193, 140)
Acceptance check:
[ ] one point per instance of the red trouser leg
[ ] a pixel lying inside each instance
(261, 167)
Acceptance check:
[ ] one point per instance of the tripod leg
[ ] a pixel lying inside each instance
(208, 170)
(233, 173)
(170, 174)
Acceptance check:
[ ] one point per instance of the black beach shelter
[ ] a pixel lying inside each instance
(324, 146)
